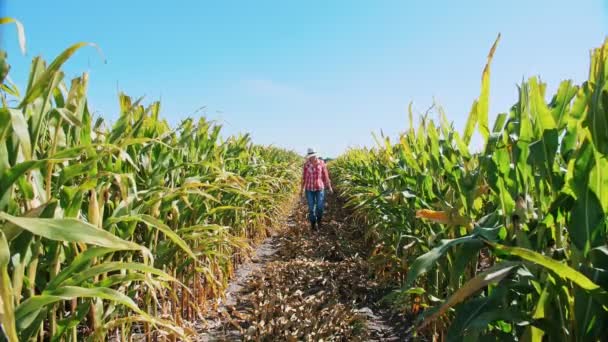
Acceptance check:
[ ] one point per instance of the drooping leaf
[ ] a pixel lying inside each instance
(426, 261)
(44, 80)
(36, 303)
(20, 129)
(10, 175)
(560, 269)
(155, 223)
(108, 267)
(20, 30)
(70, 230)
(80, 262)
(492, 275)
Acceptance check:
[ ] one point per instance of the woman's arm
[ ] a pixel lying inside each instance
(326, 178)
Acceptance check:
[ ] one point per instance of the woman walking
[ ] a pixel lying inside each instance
(315, 179)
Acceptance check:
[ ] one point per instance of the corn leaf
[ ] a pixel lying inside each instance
(484, 99)
(20, 31)
(70, 230)
(493, 275)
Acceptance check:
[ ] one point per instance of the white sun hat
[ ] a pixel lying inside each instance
(311, 152)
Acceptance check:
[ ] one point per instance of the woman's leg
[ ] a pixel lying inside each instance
(310, 199)
(320, 199)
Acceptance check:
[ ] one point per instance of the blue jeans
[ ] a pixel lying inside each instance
(316, 204)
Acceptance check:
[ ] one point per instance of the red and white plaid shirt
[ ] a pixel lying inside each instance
(315, 176)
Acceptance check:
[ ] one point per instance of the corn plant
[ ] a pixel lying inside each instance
(111, 230)
(509, 243)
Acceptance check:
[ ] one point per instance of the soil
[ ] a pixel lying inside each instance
(305, 285)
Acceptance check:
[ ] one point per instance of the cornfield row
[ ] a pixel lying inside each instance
(506, 244)
(107, 230)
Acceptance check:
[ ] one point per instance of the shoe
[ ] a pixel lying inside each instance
(319, 224)
(312, 226)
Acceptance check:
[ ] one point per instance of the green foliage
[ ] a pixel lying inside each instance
(134, 224)
(508, 243)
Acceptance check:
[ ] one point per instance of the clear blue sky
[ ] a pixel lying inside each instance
(321, 73)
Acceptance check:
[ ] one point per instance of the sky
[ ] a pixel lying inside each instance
(322, 74)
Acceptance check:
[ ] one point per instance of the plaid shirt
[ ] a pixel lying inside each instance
(315, 177)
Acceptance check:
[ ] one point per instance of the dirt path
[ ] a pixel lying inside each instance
(304, 286)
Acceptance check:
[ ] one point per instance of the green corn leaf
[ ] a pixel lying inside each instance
(542, 154)
(67, 116)
(20, 129)
(560, 269)
(591, 315)
(45, 79)
(410, 112)
(72, 321)
(462, 257)
(7, 317)
(80, 262)
(40, 107)
(4, 70)
(542, 116)
(597, 120)
(587, 215)
(560, 105)
(10, 176)
(599, 256)
(533, 333)
(222, 208)
(492, 275)
(20, 30)
(79, 278)
(155, 223)
(426, 261)
(166, 326)
(471, 123)
(70, 172)
(117, 279)
(484, 99)
(70, 230)
(473, 315)
(598, 180)
(33, 305)
(12, 231)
